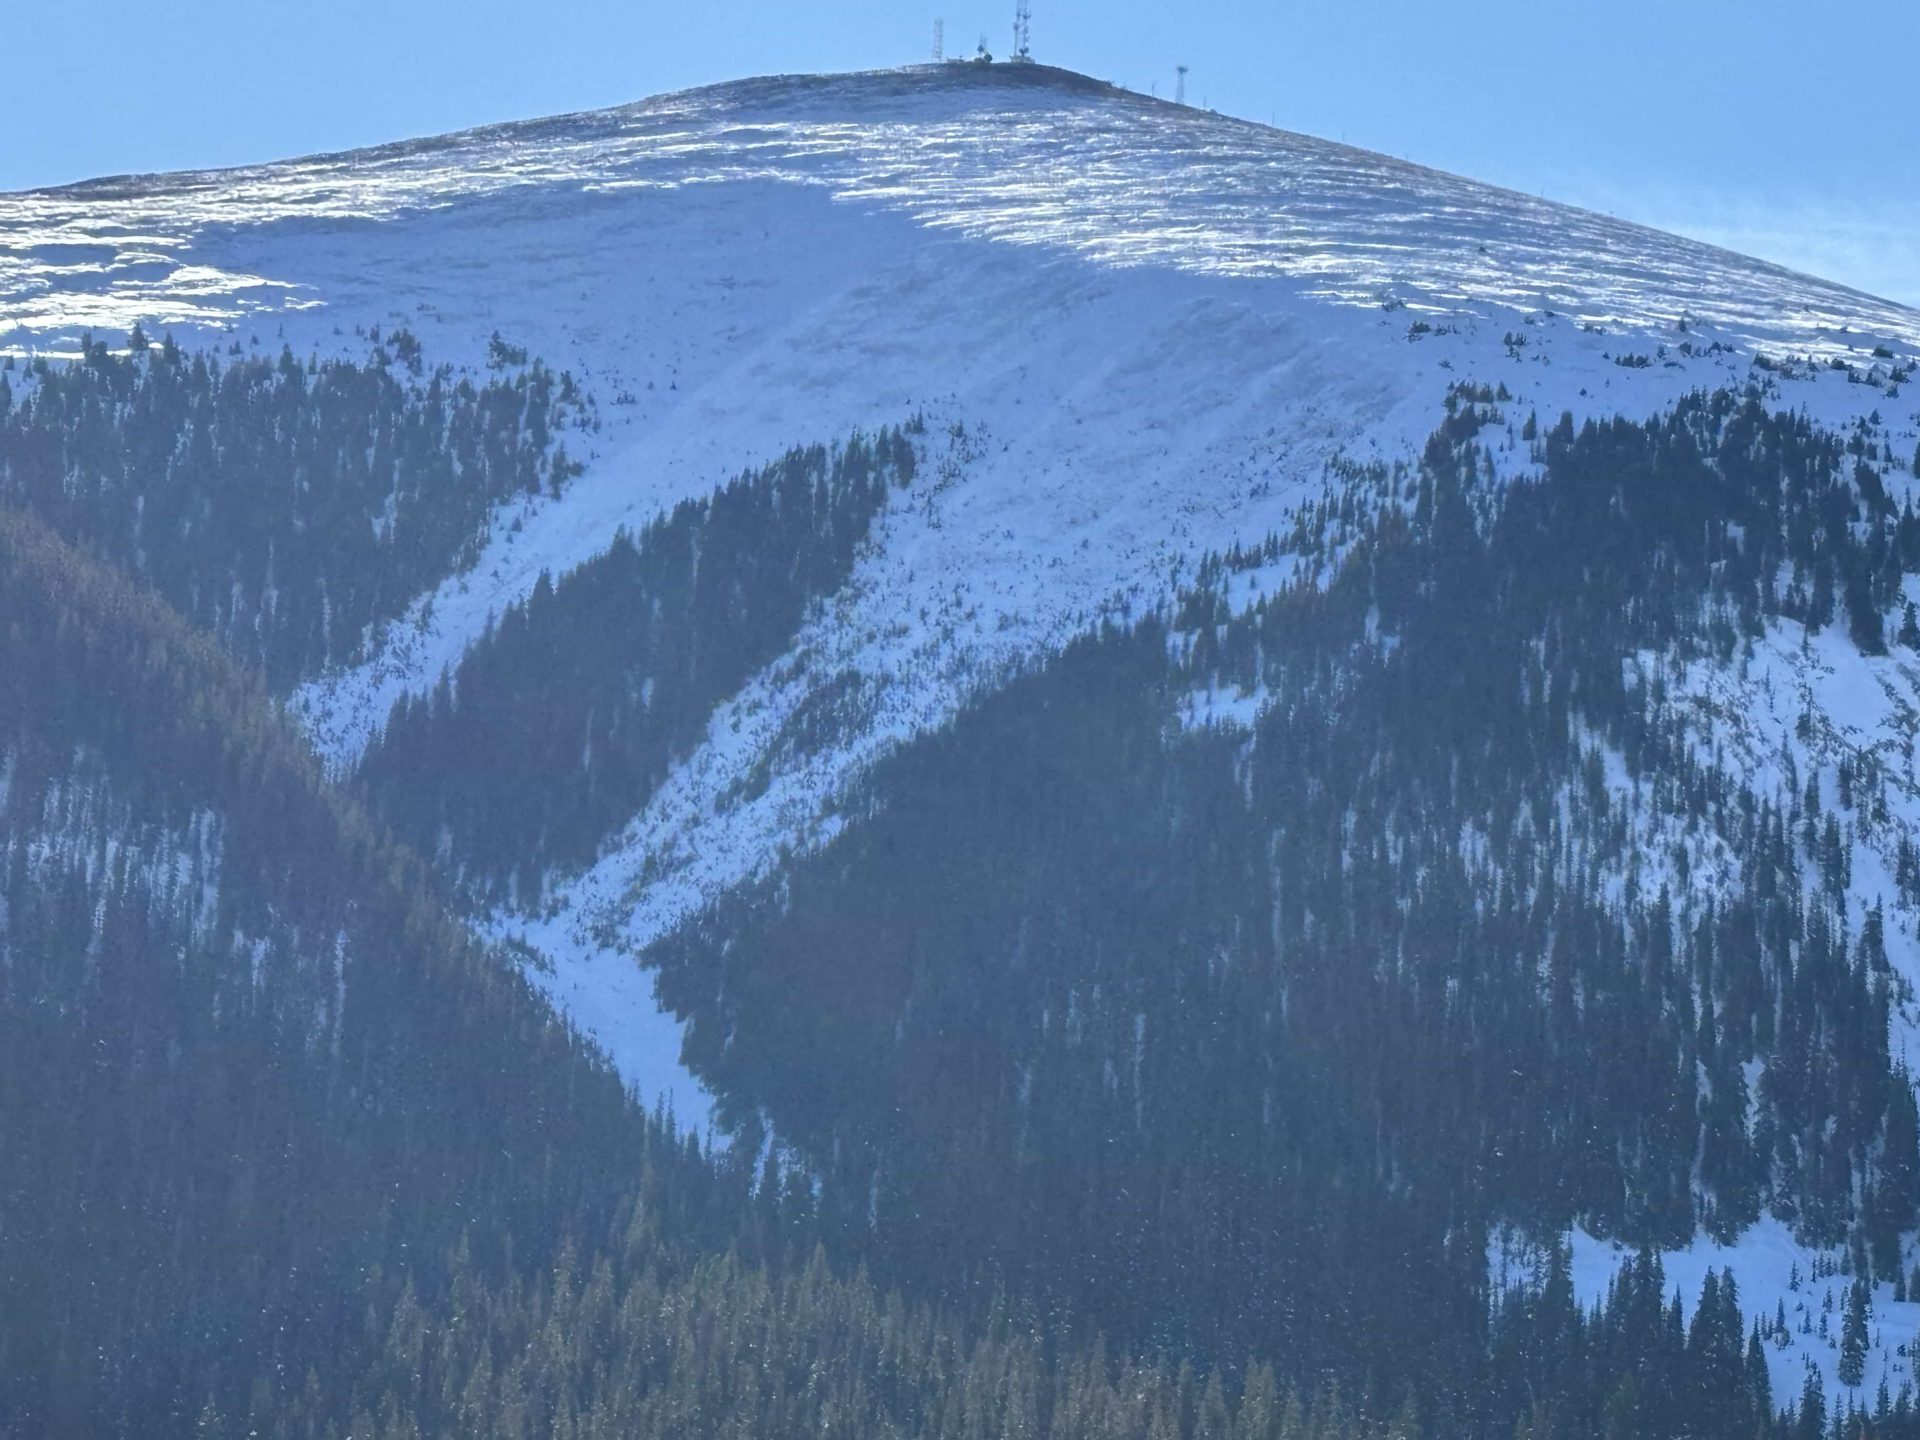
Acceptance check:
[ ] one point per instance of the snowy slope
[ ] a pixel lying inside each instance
(1137, 332)
(1797, 1293)
(1022, 154)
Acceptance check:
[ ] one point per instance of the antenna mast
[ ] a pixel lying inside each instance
(1022, 30)
(939, 40)
(1180, 85)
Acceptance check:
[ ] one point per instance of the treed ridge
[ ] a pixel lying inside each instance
(560, 721)
(1247, 1047)
(283, 505)
(240, 1201)
(1245, 1043)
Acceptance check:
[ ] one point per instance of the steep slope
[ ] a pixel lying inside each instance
(1135, 337)
(286, 1152)
(245, 1051)
(1061, 262)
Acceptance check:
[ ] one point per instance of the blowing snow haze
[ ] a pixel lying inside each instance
(947, 751)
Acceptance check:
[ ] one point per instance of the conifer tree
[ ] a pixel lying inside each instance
(1853, 1332)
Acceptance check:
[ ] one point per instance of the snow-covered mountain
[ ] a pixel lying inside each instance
(1138, 334)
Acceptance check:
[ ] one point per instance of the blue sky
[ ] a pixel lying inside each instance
(1774, 126)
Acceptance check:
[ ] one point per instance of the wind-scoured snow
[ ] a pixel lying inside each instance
(1022, 154)
(1135, 332)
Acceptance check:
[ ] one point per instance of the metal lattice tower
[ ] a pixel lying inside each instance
(1023, 30)
(1180, 85)
(939, 41)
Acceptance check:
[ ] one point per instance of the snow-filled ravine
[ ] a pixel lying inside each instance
(1136, 332)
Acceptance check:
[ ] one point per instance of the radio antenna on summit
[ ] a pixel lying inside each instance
(1180, 85)
(939, 40)
(1022, 30)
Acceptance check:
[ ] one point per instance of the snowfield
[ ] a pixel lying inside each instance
(1030, 155)
(1136, 333)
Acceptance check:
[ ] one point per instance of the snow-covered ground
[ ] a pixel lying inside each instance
(1786, 714)
(1022, 154)
(1137, 333)
(1797, 1294)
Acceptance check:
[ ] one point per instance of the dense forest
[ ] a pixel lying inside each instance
(259, 1185)
(1110, 1075)
(282, 505)
(1230, 1043)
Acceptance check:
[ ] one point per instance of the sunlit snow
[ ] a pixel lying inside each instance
(1136, 333)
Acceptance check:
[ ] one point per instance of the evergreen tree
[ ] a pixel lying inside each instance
(1853, 1332)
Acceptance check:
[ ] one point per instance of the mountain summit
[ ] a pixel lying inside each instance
(1022, 153)
(1144, 722)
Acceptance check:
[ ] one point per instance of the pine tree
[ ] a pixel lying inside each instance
(1853, 1332)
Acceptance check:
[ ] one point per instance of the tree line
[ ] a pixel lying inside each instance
(283, 506)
